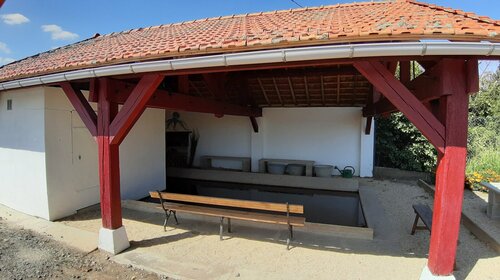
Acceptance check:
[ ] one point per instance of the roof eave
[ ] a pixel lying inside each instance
(283, 55)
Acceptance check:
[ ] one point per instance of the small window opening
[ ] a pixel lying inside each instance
(9, 104)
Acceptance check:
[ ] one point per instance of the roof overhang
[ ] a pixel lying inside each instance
(284, 55)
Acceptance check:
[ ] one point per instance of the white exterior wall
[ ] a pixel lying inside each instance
(48, 159)
(332, 136)
(22, 152)
(72, 162)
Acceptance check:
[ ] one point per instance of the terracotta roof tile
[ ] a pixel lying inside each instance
(354, 22)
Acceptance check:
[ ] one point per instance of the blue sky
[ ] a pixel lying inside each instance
(28, 27)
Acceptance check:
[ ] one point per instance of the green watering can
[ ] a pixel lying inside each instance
(347, 172)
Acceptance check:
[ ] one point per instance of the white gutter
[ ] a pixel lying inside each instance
(271, 56)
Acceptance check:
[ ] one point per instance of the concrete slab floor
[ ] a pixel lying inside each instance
(257, 251)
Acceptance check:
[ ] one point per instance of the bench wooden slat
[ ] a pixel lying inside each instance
(424, 213)
(235, 214)
(256, 205)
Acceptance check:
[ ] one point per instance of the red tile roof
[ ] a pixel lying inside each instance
(356, 22)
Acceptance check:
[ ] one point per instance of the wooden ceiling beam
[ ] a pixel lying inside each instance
(163, 99)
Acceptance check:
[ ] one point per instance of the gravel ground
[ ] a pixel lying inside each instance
(25, 254)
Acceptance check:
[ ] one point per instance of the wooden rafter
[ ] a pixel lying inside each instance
(338, 89)
(263, 91)
(277, 91)
(354, 89)
(292, 91)
(196, 89)
(307, 91)
(322, 91)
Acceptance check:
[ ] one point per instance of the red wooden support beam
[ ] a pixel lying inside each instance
(109, 164)
(93, 91)
(134, 106)
(472, 69)
(81, 106)
(450, 174)
(403, 100)
(163, 99)
(404, 72)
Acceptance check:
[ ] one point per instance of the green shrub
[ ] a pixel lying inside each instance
(399, 144)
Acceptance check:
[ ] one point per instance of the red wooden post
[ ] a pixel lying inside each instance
(450, 174)
(109, 163)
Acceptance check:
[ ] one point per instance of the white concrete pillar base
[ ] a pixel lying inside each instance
(113, 240)
(427, 275)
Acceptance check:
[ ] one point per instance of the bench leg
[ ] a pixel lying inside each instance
(167, 216)
(414, 228)
(175, 217)
(221, 228)
(228, 225)
(290, 237)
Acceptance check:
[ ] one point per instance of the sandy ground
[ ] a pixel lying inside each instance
(192, 250)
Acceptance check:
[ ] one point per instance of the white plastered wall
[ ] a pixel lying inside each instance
(23, 184)
(332, 136)
(71, 156)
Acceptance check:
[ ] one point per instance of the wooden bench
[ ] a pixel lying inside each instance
(198, 205)
(425, 214)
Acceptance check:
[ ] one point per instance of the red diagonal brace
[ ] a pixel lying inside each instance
(82, 107)
(404, 101)
(134, 106)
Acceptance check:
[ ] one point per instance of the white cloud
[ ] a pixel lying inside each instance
(4, 48)
(6, 60)
(57, 33)
(13, 19)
